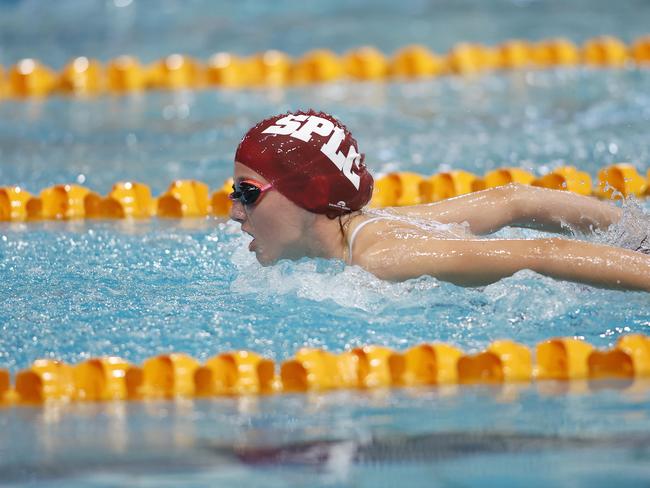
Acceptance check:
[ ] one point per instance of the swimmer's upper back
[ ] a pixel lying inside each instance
(386, 225)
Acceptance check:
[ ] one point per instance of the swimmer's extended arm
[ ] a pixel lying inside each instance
(480, 262)
(520, 205)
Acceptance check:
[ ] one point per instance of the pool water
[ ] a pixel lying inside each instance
(73, 290)
(428, 437)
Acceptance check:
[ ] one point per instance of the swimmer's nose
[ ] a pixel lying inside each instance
(237, 212)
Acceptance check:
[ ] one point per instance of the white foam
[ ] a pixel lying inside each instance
(631, 232)
(319, 280)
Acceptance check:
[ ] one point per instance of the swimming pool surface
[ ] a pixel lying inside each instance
(73, 290)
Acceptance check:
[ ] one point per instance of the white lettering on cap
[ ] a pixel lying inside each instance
(342, 162)
(286, 125)
(318, 125)
(291, 126)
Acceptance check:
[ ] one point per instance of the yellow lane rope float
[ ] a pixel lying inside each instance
(87, 77)
(238, 373)
(189, 198)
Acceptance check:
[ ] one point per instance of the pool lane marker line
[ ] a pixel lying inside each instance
(190, 198)
(566, 361)
(86, 77)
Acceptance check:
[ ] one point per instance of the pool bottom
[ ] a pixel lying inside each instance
(540, 435)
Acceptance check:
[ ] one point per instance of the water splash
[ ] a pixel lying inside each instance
(320, 280)
(631, 232)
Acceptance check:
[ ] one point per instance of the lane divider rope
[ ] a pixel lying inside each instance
(190, 198)
(87, 77)
(247, 373)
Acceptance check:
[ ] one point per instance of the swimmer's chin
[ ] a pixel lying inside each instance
(266, 262)
(263, 259)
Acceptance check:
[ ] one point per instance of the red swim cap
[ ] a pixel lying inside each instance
(310, 158)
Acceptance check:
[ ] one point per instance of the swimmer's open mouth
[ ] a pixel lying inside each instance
(251, 243)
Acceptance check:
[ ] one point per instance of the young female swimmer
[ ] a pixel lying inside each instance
(301, 187)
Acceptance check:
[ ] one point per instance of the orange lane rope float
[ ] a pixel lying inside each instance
(189, 198)
(239, 373)
(87, 77)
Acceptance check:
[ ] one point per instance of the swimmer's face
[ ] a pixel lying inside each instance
(276, 223)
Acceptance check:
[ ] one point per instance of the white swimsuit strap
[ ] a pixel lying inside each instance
(356, 231)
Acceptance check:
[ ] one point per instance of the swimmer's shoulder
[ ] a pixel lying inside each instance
(377, 230)
(366, 230)
(376, 219)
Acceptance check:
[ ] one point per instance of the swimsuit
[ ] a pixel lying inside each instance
(432, 227)
(356, 231)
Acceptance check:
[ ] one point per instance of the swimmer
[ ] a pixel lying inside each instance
(301, 189)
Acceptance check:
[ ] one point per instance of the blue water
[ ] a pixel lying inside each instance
(533, 119)
(77, 290)
(509, 437)
(154, 28)
(74, 290)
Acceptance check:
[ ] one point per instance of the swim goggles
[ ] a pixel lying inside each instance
(248, 191)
